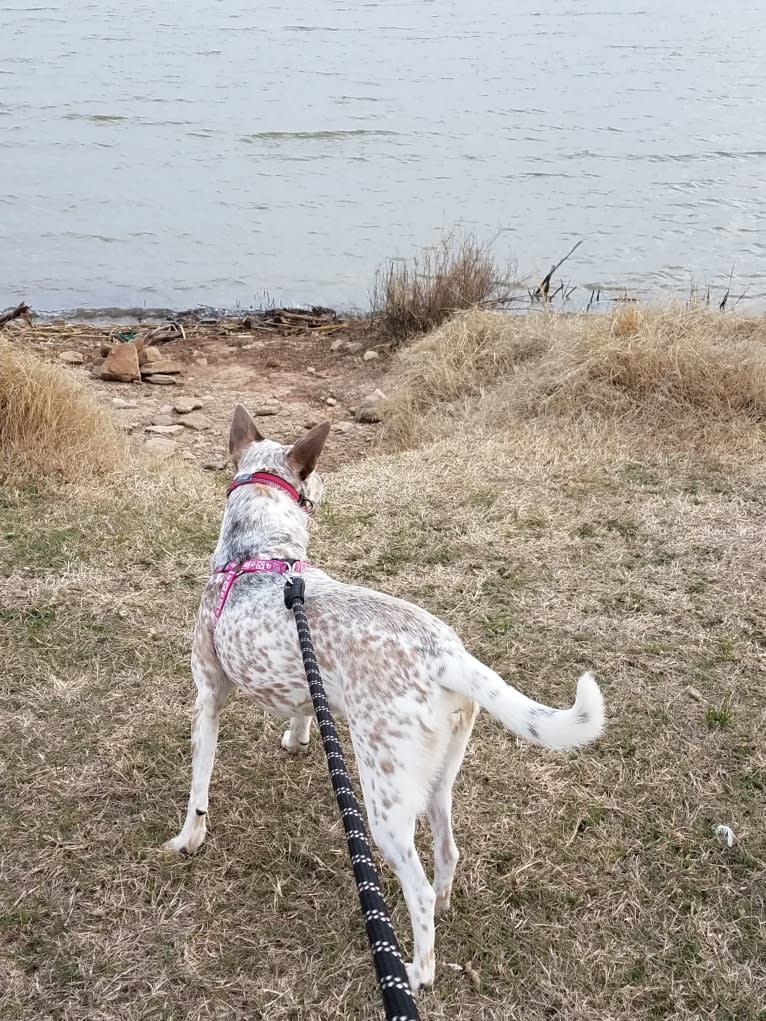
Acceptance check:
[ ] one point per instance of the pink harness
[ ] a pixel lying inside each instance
(235, 568)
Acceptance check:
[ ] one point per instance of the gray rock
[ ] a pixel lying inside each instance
(161, 380)
(71, 358)
(160, 447)
(164, 430)
(370, 356)
(185, 405)
(195, 420)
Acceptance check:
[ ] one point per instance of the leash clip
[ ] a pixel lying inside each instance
(295, 589)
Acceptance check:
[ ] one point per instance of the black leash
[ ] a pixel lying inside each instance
(398, 998)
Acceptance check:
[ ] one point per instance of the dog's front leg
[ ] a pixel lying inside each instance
(213, 692)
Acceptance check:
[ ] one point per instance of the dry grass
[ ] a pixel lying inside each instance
(416, 296)
(591, 886)
(49, 424)
(664, 368)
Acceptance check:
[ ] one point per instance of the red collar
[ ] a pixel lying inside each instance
(267, 479)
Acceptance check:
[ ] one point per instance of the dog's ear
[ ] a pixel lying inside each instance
(304, 454)
(242, 433)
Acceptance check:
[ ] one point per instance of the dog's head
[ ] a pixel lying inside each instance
(296, 463)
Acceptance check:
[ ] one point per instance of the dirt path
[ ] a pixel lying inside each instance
(287, 381)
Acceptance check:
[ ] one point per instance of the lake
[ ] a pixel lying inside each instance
(229, 153)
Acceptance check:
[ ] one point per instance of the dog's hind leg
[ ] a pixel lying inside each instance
(439, 808)
(295, 739)
(213, 692)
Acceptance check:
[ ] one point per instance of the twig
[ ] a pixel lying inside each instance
(722, 306)
(15, 313)
(545, 283)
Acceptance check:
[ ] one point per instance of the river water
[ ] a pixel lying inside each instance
(179, 152)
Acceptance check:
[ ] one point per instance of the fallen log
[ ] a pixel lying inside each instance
(21, 309)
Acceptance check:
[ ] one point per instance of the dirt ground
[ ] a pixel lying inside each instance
(223, 363)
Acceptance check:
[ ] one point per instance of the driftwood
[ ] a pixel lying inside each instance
(293, 321)
(15, 313)
(164, 334)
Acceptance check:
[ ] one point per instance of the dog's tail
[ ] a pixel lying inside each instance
(553, 728)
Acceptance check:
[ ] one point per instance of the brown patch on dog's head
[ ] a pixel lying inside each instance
(242, 433)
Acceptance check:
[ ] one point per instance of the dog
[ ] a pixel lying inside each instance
(402, 678)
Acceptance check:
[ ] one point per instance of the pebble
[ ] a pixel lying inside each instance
(161, 380)
(160, 447)
(370, 356)
(194, 420)
(71, 357)
(185, 405)
(164, 430)
(330, 402)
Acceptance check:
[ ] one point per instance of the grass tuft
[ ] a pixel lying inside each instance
(50, 425)
(413, 297)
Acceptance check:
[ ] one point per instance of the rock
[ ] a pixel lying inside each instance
(161, 380)
(123, 405)
(164, 430)
(121, 364)
(272, 363)
(371, 408)
(267, 407)
(194, 420)
(165, 366)
(354, 347)
(202, 362)
(312, 370)
(164, 420)
(165, 409)
(218, 465)
(150, 355)
(330, 402)
(310, 423)
(342, 427)
(184, 405)
(160, 447)
(187, 455)
(71, 358)
(106, 347)
(370, 356)
(337, 345)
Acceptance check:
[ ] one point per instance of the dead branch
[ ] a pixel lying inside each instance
(722, 306)
(21, 309)
(545, 283)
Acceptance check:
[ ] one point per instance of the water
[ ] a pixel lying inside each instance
(175, 153)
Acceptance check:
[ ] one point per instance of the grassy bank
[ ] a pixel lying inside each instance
(557, 523)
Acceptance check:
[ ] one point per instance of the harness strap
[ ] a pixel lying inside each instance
(234, 569)
(398, 998)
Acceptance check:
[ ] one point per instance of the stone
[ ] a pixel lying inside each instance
(164, 420)
(267, 407)
(371, 408)
(330, 402)
(165, 409)
(164, 430)
(184, 405)
(150, 355)
(337, 345)
(272, 363)
(310, 423)
(121, 364)
(312, 370)
(165, 366)
(354, 347)
(342, 427)
(370, 356)
(187, 455)
(71, 358)
(160, 447)
(123, 405)
(202, 362)
(194, 420)
(218, 465)
(106, 347)
(161, 380)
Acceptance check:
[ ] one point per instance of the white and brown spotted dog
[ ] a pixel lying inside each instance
(408, 688)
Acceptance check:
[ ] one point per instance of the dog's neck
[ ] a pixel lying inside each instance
(260, 522)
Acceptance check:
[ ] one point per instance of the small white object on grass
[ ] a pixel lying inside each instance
(725, 834)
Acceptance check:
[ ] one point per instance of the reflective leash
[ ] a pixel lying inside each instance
(398, 998)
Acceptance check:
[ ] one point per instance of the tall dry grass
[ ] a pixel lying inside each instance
(667, 368)
(413, 297)
(50, 425)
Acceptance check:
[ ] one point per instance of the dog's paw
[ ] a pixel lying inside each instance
(418, 977)
(292, 746)
(183, 844)
(442, 904)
